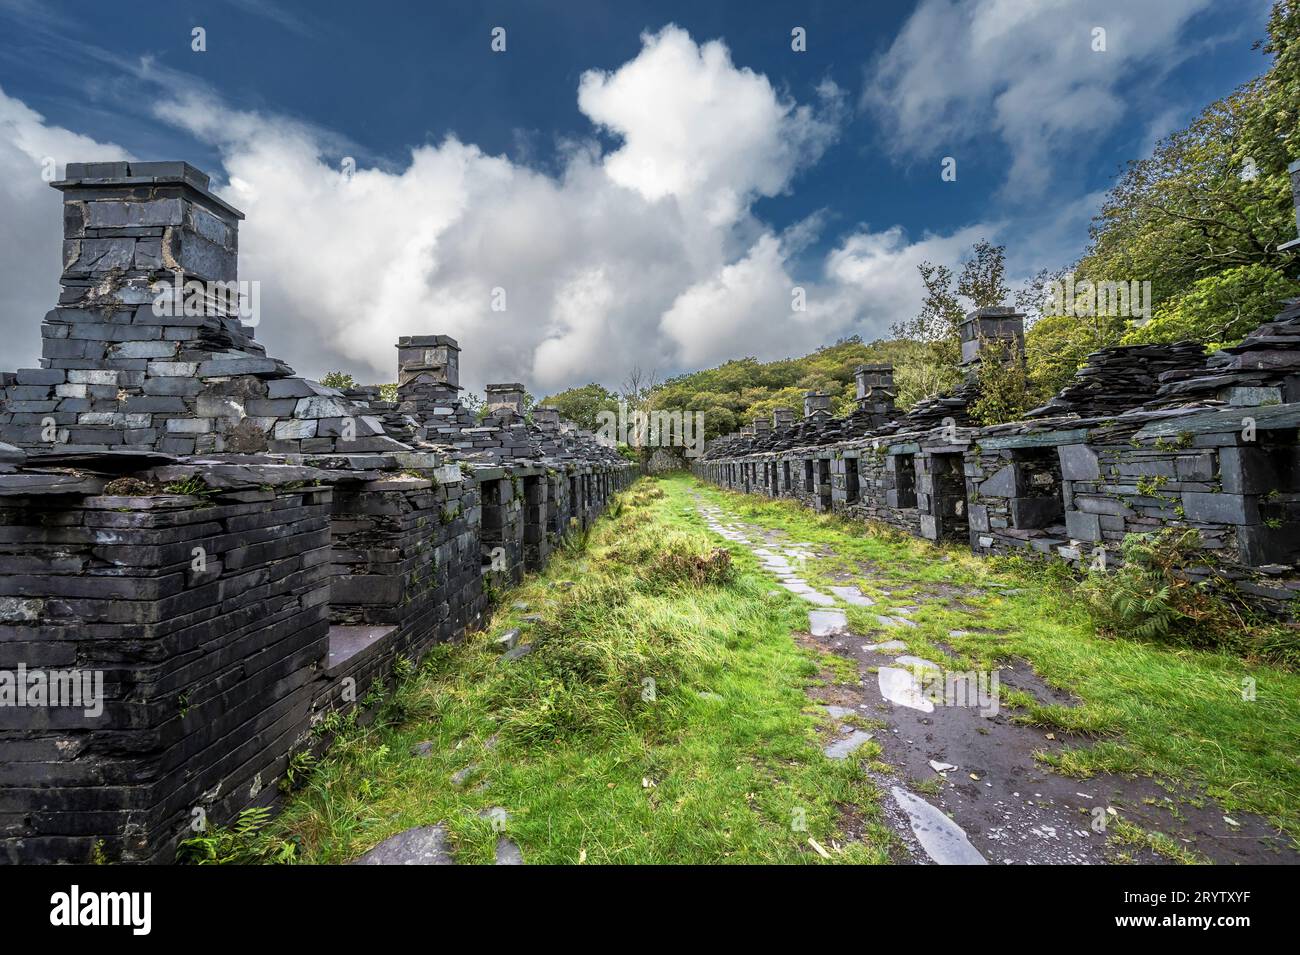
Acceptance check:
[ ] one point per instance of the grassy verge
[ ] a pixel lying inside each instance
(1179, 714)
(660, 718)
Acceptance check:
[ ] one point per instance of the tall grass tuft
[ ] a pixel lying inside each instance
(617, 641)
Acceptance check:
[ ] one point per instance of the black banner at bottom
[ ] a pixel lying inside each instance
(335, 904)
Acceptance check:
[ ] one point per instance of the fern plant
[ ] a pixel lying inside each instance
(244, 843)
(1151, 596)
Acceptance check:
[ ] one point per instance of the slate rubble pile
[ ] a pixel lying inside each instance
(1263, 369)
(1120, 378)
(952, 406)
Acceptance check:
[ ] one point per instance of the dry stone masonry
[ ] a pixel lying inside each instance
(232, 551)
(1144, 438)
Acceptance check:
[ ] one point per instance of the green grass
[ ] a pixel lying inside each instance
(1126, 837)
(722, 764)
(726, 755)
(1175, 713)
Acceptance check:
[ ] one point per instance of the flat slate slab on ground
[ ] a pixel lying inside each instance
(423, 845)
(941, 838)
(902, 688)
(853, 596)
(823, 622)
(846, 746)
(508, 853)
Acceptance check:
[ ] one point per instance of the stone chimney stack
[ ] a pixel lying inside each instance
(436, 358)
(151, 344)
(872, 377)
(505, 397)
(782, 418)
(875, 388)
(762, 426)
(547, 419)
(991, 330)
(428, 376)
(127, 226)
(816, 403)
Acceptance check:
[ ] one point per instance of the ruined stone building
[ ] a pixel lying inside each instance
(1143, 438)
(234, 549)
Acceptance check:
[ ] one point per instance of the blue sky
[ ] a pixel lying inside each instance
(647, 181)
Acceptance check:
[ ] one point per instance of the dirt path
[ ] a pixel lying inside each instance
(963, 786)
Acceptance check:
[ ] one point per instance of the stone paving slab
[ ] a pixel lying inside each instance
(423, 845)
(942, 839)
(846, 746)
(821, 599)
(886, 646)
(853, 596)
(902, 688)
(508, 852)
(823, 622)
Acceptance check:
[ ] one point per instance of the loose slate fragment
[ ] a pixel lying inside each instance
(423, 845)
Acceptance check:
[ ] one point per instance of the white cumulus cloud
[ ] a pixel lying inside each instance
(1025, 70)
(31, 221)
(697, 128)
(644, 254)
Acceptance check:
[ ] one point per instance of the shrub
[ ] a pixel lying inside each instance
(1150, 597)
(1219, 309)
(1003, 386)
(337, 379)
(1146, 597)
(642, 496)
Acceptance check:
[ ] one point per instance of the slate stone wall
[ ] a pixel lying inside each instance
(207, 664)
(400, 546)
(1069, 492)
(217, 670)
(889, 488)
(406, 576)
(233, 550)
(1214, 450)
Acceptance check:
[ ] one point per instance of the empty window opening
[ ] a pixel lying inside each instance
(1038, 502)
(905, 480)
(493, 531)
(949, 502)
(824, 484)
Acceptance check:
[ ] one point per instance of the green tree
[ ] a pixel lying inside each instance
(1213, 196)
(1202, 219)
(941, 312)
(337, 379)
(1219, 309)
(983, 277)
(582, 405)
